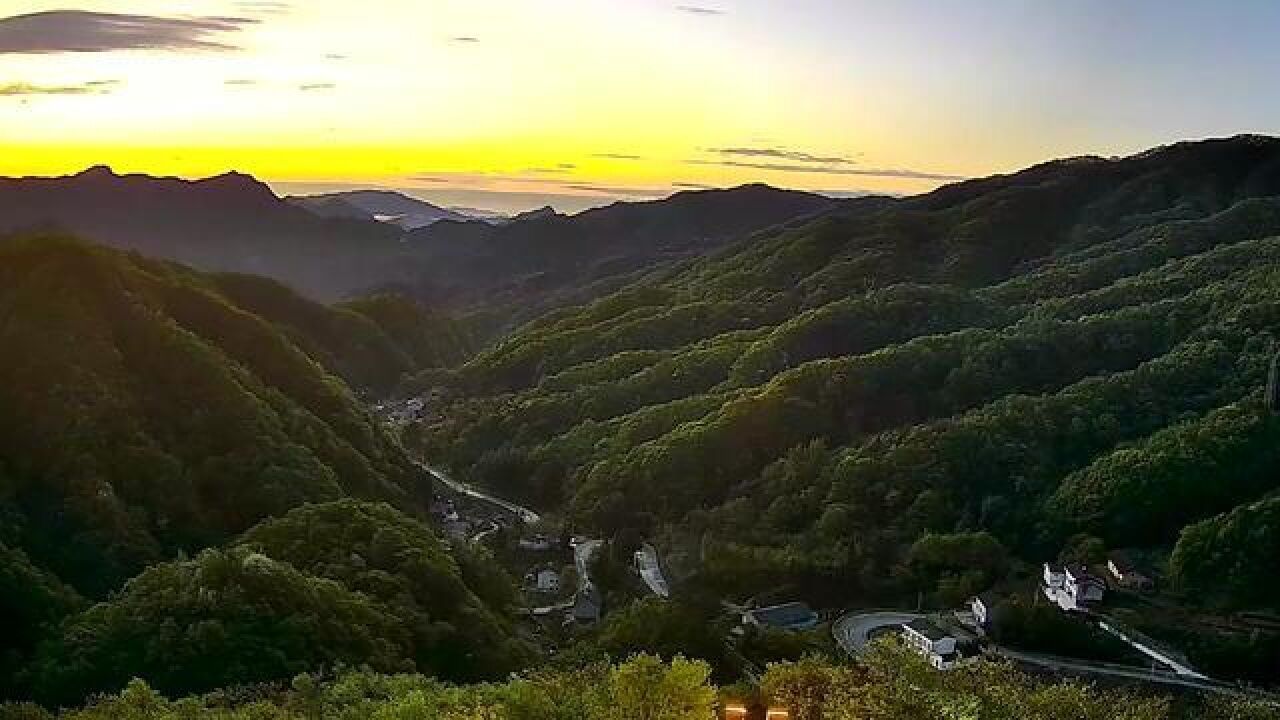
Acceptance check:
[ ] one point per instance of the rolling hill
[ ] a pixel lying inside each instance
(544, 260)
(155, 414)
(382, 205)
(332, 249)
(1077, 350)
(230, 223)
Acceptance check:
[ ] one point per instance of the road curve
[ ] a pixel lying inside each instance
(853, 631)
(651, 571)
(1060, 664)
(526, 515)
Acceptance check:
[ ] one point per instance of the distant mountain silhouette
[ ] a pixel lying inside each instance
(383, 205)
(542, 212)
(543, 259)
(229, 222)
(331, 249)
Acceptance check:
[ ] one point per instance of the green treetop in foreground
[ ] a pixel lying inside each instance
(890, 685)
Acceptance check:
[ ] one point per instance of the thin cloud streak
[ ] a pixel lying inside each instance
(617, 190)
(699, 10)
(782, 154)
(552, 182)
(855, 171)
(76, 31)
(616, 156)
(265, 7)
(309, 87)
(95, 87)
(558, 168)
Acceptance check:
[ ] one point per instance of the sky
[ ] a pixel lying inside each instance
(508, 105)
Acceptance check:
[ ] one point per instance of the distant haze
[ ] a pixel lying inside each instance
(464, 199)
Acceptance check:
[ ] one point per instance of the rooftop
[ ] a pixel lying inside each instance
(928, 629)
(1080, 572)
(786, 614)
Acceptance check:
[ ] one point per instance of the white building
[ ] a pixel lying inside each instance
(984, 608)
(1054, 576)
(1073, 587)
(935, 644)
(545, 580)
(1083, 586)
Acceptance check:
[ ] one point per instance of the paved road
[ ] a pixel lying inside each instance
(651, 571)
(1060, 664)
(525, 514)
(549, 609)
(583, 550)
(1148, 648)
(489, 529)
(854, 630)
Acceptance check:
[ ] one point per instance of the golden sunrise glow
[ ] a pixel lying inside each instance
(588, 97)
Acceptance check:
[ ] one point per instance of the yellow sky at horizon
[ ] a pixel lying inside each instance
(543, 95)
(393, 102)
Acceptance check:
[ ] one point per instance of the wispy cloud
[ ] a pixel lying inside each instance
(264, 7)
(61, 31)
(240, 82)
(552, 169)
(309, 87)
(616, 190)
(692, 186)
(335, 56)
(699, 10)
(464, 39)
(616, 156)
(94, 87)
(551, 181)
(782, 154)
(828, 170)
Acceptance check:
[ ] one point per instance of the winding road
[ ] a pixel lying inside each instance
(853, 631)
(526, 515)
(651, 571)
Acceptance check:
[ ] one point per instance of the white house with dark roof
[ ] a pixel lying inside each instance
(1054, 575)
(1083, 586)
(1072, 587)
(932, 642)
(544, 580)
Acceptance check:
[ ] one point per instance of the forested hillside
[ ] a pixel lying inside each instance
(500, 273)
(150, 413)
(1078, 348)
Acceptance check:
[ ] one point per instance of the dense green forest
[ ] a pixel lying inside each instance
(188, 495)
(894, 401)
(888, 685)
(1074, 351)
